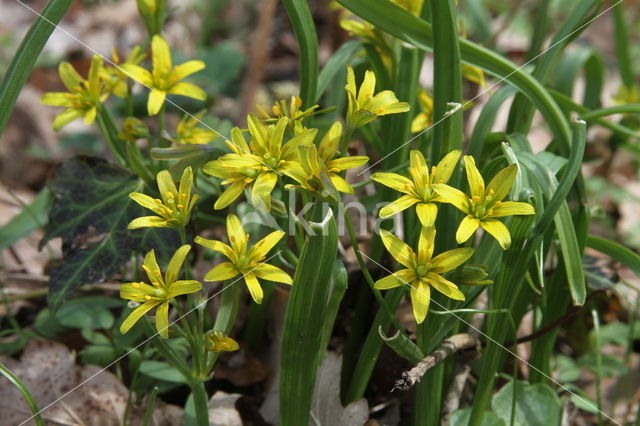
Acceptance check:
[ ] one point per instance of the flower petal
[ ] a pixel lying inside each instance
(498, 231)
(502, 182)
(215, 245)
(262, 247)
(137, 73)
(398, 249)
(150, 266)
(261, 190)
(62, 99)
(426, 244)
(446, 167)
(367, 87)
(69, 76)
(427, 213)
(166, 186)
(476, 183)
(396, 279)
(235, 231)
(137, 314)
(345, 163)
(65, 118)
(181, 287)
(222, 271)
(147, 202)
(450, 260)
(137, 292)
(229, 195)
(189, 90)
(394, 181)
(175, 264)
(155, 101)
(420, 298)
(161, 55)
(453, 196)
(183, 70)
(330, 141)
(467, 227)
(254, 287)
(148, 222)
(186, 182)
(511, 208)
(162, 320)
(272, 273)
(398, 205)
(340, 184)
(445, 286)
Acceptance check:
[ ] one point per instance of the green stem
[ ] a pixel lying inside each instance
(8, 374)
(110, 133)
(200, 402)
(151, 402)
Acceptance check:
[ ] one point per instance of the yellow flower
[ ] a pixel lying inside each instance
(164, 78)
(84, 95)
(318, 171)
(419, 189)
(485, 204)
(364, 106)
(133, 129)
(258, 163)
(244, 260)
(189, 133)
(115, 78)
(174, 207)
(423, 271)
(217, 341)
(160, 292)
(424, 118)
(292, 111)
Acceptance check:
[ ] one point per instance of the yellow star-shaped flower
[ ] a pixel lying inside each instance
(423, 271)
(485, 205)
(188, 132)
(419, 189)
(164, 78)
(160, 292)
(245, 260)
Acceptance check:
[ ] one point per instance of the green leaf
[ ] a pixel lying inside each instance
(335, 64)
(85, 314)
(402, 346)
(94, 337)
(568, 369)
(29, 219)
(27, 54)
(47, 325)
(612, 366)
(308, 313)
(101, 355)
(536, 405)
(461, 418)
(161, 371)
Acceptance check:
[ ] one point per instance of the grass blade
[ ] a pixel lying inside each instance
(29, 219)
(335, 64)
(15, 381)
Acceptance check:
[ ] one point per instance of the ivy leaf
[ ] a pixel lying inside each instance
(90, 212)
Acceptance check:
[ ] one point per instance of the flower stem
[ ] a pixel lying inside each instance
(200, 401)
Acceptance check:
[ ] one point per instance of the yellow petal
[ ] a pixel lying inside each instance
(467, 227)
(183, 70)
(351, 81)
(340, 184)
(59, 99)
(401, 277)
(189, 90)
(511, 208)
(450, 260)
(148, 222)
(137, 73)
(426, 244)
(272, 273)
(235, 231)
(420, 298)
(69, 76)
(367, 87)
(136, 315)
(186, 181)
(262, 247)
(502, 182)
(393, 181)
(181, 287)
(453, 196)
(222, 271)
(147, 202)
(137, 291)
(161, 56)
(498, 231)
(261, 190)
(398, 249)
(215, 245)
(229, 195)
(150, 266)
(293, 145)
(162, 320)
(446, 167)
(90, 116)
(155, 101)
(445, 286)
(398, 205)
(166, 186)
(175, 264)
(65, 118)
(427, 213)
(330, 141)
(476, 183)
(254, 287)
(345, 163)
